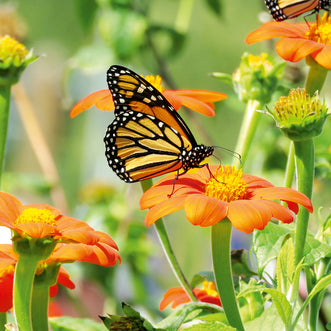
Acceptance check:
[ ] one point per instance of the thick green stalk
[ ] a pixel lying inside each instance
(4, 115)
(316, 76)
(304, 159)
(39, 313)
(3, 321)
(247, 131)
(23, 282)
(221, 250)
(166, 245)
(290, 166)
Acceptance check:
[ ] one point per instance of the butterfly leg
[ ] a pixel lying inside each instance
(173, 186)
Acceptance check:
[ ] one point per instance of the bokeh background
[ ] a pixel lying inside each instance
(183, 41)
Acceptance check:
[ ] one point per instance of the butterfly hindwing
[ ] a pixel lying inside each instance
(139, 146)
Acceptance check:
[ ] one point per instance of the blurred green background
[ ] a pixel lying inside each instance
(184, 41)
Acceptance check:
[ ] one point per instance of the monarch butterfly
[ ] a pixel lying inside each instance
(147, 137)
(284, 9)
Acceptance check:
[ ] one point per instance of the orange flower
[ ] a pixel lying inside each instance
(298, 40)
(246, 200)
(200, 101)
(41, 220)
(8, 260)
(177, 296)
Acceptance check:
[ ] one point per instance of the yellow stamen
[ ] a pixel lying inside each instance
(227, 185)
(8, 270)
(210, 289)
(156, 82)
(10, 48)
(35, 215)
(321, 30)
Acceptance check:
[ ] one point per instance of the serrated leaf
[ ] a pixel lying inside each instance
(177, 318)
(66, 323)
(315, 250)
(285, 267)
(283, 307)
(267, 243)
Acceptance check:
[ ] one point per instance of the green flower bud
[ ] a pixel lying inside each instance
(257, 77)
(300, 116)
(14, 58)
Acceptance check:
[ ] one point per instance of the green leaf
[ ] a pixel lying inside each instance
(66, 323)
(315, 250)
(285, 267)
(225, 78)
(177, 318)
(267, 243)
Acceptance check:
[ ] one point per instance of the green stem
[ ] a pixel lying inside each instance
(290, 167)
(3, 321)
(304, 159)
(4, 114)
(166, 245)
(23, 281)
(247, 131)
(316, 76)
(39, 313)
(221, 250)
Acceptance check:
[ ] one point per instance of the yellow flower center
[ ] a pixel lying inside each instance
(35, 215)
(321, 30)
(209, 288)
(155, 81)
(9, 47)
(298, 105)
(226, 185)
(255, 61)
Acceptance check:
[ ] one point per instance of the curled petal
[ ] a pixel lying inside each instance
(10, 209)
(323, 57)
(294, 50)
(273, 29)
(37, 230)
(174, 296)
(203, 210)
(285, 194)
(102, 99)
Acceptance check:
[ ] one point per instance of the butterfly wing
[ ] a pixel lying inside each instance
(140, 146)
(132, 92)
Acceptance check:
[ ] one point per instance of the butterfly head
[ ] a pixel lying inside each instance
(195, 156)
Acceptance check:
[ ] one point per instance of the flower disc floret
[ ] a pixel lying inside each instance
(226, 185)
(12, 51)
(299, 115)
(35, 215)
(321, 30)
(156, 81)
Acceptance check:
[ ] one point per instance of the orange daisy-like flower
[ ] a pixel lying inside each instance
(200, 101)
(246, 200)
(177, 296)
(8, 260)
(298, 40)
(39, 221)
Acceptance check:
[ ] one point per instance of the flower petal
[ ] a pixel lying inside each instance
(274, 29)
(164, 208)
(249, 215)
(295, 49)
(176, 296)
(102, 99)
(10, 209)
(197, 105)
(203, 210)
(284, 194)
(323, 57)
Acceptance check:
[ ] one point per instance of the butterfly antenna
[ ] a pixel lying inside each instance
(234, 154)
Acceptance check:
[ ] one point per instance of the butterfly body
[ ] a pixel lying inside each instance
(285, 9)
(147, 137)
